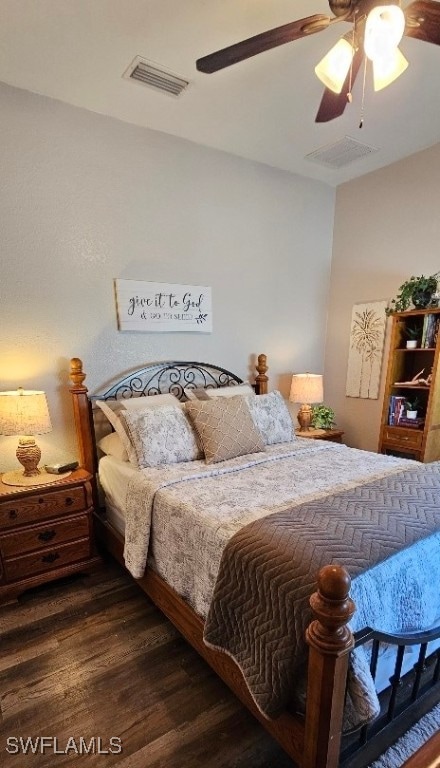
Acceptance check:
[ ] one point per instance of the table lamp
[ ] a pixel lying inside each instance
(25, 412)
(306, 388)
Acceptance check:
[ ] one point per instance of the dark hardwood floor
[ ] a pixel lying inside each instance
(91, 657)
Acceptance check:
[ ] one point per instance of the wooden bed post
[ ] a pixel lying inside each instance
(261, 381)
(81, 413)
(330, 641)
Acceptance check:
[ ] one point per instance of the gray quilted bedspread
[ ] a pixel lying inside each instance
(260, 607)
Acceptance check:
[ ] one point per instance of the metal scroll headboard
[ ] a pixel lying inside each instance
(170, 377)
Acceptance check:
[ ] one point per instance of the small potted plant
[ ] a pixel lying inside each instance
(323, 417)
(412, 405)
(417, 291)
(413, 333)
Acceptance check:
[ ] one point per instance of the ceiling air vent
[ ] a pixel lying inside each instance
(341, 153)
(153, 75)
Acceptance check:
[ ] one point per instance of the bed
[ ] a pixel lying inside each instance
(191, 535)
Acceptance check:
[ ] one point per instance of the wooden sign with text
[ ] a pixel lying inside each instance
(163, 307)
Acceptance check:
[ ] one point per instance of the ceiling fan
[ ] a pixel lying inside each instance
(420, 19)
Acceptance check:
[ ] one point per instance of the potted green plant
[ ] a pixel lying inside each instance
(417, 291)
(323, 417)
(413, 332)
(411, 405)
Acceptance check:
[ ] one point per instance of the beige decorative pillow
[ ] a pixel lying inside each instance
(225, 428)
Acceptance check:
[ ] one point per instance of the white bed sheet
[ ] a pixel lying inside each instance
(114, 477)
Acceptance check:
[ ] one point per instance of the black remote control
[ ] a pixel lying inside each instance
(58, 469)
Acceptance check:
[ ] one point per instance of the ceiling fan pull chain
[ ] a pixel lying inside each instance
(363, 93)
(350, 83)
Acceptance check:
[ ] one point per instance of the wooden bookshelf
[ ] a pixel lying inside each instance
(405, 369)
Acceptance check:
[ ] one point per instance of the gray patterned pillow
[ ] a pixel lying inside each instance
(160, 436)
(271, 416)
(225, 427)
(112, 409)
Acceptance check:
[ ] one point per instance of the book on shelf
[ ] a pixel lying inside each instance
(416, 423)
(430, 331)
(396, 410)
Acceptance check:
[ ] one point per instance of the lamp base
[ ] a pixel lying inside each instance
(16, 477)
(304, 417)
(29, 454)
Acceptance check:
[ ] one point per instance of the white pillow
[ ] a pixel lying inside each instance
(200, 393)
(112, 445)
(160, 436)
(272, 417)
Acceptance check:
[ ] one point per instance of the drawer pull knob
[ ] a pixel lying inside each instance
(46, 535)
(50, 558)
(41, 500)
(13, 514)
(69, 501)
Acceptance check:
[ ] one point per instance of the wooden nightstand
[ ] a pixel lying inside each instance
(46, 532)
(333, 435)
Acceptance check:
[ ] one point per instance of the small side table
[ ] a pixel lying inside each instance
(46, 532)
(332, 435)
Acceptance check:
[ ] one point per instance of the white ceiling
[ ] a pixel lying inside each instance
(262, 108)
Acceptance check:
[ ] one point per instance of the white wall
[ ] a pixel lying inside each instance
(85, 199)
(387, 228)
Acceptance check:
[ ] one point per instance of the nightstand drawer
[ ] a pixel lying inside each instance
(411, 438)
(41, 536)
(41, 505)
(46, 559)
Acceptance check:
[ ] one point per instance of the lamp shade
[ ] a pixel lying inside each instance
(306, 388)
(24, 412)
(383, 31)
(388, 69)
(333, 68)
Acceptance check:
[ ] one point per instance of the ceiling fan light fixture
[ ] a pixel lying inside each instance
(333, 69)
(388, 69)
(384, 30)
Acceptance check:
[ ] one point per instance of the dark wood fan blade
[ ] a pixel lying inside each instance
(263, 42)
(333, 104)
(427, 12)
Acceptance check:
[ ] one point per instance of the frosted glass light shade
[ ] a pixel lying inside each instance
(333, 68)
(24, 412)
(388, 69)
(306, 388)
(384, 30)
